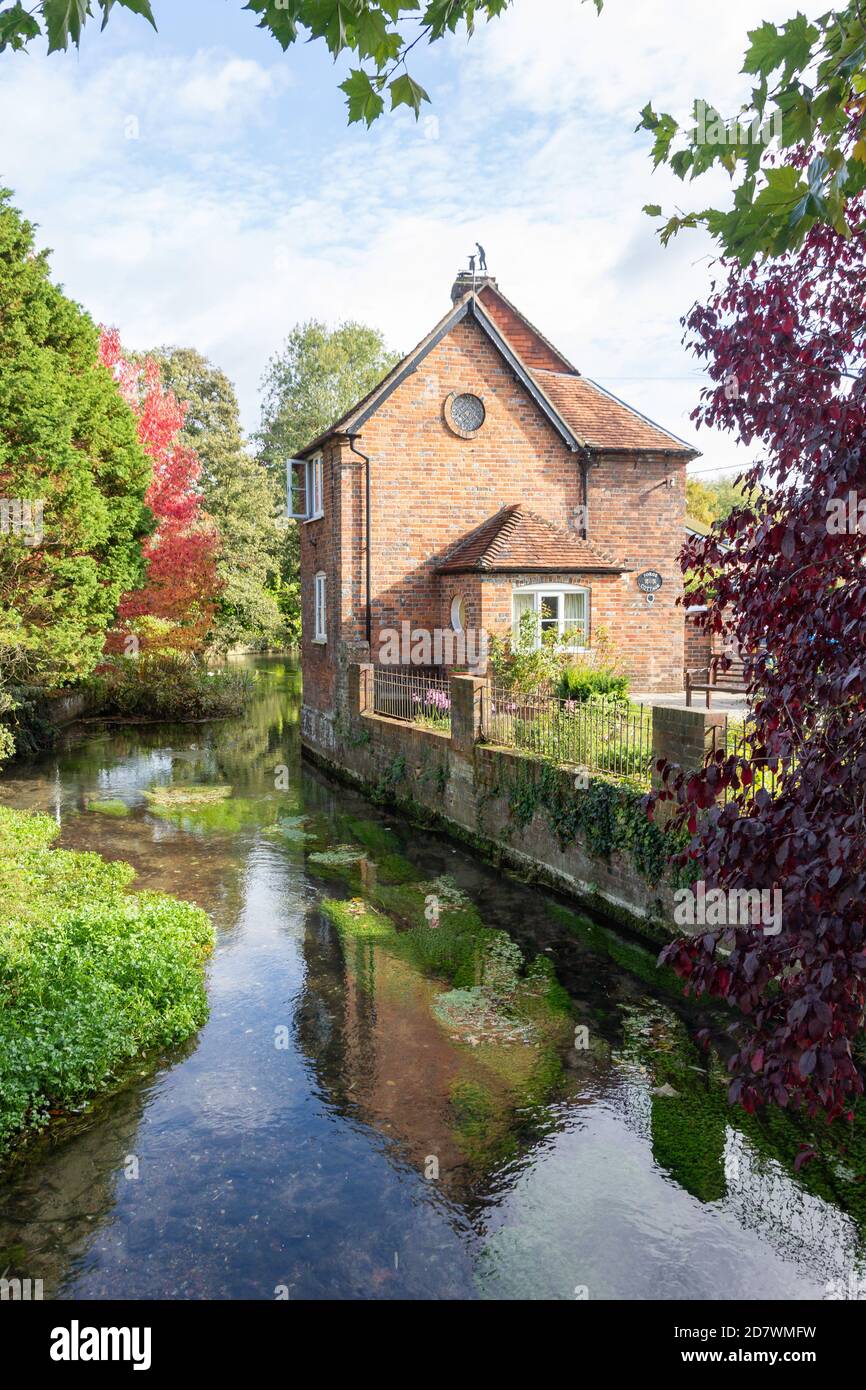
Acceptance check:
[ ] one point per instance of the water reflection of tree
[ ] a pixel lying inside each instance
(58, 1198)
(745, 1163)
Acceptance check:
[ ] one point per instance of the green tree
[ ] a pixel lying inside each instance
(380, 33)
(73, 475)
(238, 495)
(712, 499)
(796, 152)
(315, 378)
(699, 502)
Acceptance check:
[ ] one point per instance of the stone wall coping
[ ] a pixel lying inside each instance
(436, 735)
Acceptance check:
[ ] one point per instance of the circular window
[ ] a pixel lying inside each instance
(458, 614)
(465, 413)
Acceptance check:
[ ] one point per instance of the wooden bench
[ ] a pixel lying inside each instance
(729, 682)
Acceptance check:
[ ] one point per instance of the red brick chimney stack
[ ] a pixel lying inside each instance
(466, 281)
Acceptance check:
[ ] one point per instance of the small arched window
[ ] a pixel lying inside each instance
(458, 613)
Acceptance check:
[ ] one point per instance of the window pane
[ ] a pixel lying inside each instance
(317, 487)
(320, 605)
(575, 618)
(522, 604)
(297, 488)
(551, 608)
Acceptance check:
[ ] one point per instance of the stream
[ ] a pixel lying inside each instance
(329, 1135)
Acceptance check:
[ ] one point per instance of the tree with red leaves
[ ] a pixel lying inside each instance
(181, 585)
(785, 575)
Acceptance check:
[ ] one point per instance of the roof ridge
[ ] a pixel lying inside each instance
(573, 371)
(488, 543)
(510, 518)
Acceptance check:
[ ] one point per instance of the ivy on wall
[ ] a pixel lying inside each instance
(607, 816)
(385, 789)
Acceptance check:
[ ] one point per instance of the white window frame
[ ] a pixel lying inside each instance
(312, 472)
(538, 592)
(320, 610)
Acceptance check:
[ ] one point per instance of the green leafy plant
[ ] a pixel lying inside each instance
(796, 150)
(608, 816)
(581, 682)
(92, 977)
(521, 663)
(393, 774)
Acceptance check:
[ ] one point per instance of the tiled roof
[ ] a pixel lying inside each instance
(601, 419)
(517, 539)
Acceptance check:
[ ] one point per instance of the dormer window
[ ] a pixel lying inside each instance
(305, 488)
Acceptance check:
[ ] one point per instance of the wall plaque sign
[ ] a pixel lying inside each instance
(649, 582)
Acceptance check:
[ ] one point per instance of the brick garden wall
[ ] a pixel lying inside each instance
(463, 785)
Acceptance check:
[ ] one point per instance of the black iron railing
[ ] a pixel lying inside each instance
(417, 698)
(616, 738)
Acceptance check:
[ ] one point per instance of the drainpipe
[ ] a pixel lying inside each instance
(369, 538)
(585, 465)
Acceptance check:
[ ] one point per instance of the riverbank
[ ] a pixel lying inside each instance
(159, 688)
(585, 833)
(92, 977)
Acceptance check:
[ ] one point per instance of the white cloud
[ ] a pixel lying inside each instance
(552, 55)
(239, 210)
(228, 87)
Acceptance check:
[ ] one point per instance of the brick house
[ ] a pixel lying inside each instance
(483, 478)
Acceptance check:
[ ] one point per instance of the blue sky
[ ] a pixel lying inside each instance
(199, 187)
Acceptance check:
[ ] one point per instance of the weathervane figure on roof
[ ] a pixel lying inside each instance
(482, 257)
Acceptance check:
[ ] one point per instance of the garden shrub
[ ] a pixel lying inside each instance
(171, 686)
(580, 682)
(91, 976)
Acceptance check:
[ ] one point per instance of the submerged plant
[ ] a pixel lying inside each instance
(340, 857)
(185, 795)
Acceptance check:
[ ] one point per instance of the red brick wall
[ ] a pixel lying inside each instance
(320, 550)
(430, 488)
(531, 349)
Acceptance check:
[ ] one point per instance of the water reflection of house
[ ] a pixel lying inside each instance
(367, 1023)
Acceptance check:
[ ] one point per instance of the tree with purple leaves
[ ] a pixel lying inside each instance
(784, 575)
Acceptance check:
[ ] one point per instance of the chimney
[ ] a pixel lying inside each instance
(466, 282)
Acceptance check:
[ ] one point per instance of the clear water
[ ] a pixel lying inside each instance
(244, 1167)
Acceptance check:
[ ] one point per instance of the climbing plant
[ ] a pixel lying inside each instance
(608, 816)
